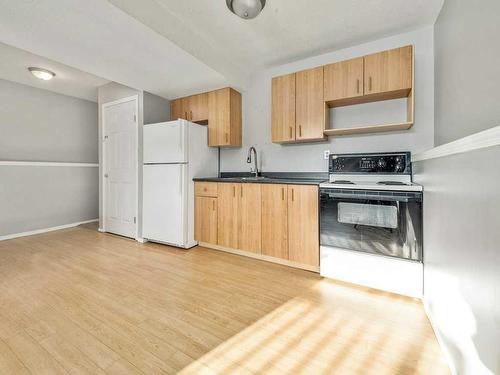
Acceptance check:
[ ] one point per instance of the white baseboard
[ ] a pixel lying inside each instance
(439, 338)
(45, 230)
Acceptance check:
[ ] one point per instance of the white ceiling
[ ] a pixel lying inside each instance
(14, 64)
(173, 48)
(96, 37)
(285, 31)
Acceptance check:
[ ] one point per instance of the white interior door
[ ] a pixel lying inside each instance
(120, 167)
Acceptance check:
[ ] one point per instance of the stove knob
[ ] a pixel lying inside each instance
(382, 163)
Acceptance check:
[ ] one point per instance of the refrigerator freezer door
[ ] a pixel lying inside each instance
(164, 201)
(165, 142)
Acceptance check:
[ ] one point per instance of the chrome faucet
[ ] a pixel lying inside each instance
(249, 160)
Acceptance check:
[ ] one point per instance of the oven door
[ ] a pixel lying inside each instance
(378, 222)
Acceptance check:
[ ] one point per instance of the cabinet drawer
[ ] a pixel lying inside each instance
(205, 189)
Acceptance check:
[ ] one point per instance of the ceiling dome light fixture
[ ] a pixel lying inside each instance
(40, 73)
(246, 9)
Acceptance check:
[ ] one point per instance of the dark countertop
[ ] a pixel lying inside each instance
(289, 178)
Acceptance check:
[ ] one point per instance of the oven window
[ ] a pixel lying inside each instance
(391, 227)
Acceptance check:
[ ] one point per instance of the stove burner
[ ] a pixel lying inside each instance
(343, 182)
(391, 183)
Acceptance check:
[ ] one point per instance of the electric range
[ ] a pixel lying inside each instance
(371, 222)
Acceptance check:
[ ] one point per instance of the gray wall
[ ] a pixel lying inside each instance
(467, 39)
(309, 157)
(462, 256)
(152, 109)
(39, 125)
(43, 197)
(156, 109)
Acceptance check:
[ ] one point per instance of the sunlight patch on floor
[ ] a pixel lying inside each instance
(336, 338)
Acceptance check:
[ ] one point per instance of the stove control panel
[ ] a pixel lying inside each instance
(377, 163)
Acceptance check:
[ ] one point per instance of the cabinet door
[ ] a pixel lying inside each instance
(224, 118)
(198, 108)
(228, 214)
(283, 108)
(179, 109)
(389, 71)
(275, 220)
(343, 80)
(310, 106)
(303, 225)
(250, 234)
(205, 220)
(176, 109)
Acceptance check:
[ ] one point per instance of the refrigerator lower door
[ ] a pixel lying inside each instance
(165, 142)
(164, 203)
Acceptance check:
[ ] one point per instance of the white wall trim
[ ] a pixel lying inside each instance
(46, 164)
(439, 337)
(486, 138)
(45, 230)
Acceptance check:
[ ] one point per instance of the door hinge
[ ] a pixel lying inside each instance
(135, 118)
(135, 220)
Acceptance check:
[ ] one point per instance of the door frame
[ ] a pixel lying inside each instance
(103, 161)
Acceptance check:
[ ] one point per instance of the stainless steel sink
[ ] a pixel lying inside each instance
(259, 178)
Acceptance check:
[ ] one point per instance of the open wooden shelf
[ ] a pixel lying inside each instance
(369, 129)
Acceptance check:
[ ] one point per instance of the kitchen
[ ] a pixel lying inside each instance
(251, 215)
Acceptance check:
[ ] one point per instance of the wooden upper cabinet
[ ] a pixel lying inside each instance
(205, 219)
(250, 225)
(224, 118)
(309, 105)
(283, 108)
(303, 224)
(344, 80)
(389, 71)
(177, 109)
(198, 107)
(275, 220)
(193, 108)
(228, 213)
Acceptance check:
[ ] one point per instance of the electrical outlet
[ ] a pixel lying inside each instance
(326, 154)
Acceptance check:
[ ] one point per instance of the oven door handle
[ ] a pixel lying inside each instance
(391, 198)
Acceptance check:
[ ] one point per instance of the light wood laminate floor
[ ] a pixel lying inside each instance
(82, 302)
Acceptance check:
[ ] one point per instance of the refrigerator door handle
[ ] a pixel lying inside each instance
(181, 179)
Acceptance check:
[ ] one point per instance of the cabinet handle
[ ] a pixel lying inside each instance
(191, 115)
(300, 130)
(370, 84)
(357, 86)
(186, 116)
(213, 205)
(290, 132)
(234, 191)
(241, 191)
(282, 194)
(227, 138)
(292, 196)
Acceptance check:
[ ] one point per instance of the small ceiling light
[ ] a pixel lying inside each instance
(246, 9)
(42, 73)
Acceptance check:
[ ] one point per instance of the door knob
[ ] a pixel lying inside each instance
(106, 175)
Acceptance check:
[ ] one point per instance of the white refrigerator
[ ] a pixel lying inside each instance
(174, 153)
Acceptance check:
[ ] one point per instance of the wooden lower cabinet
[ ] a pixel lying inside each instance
(205, 222)
(275, 220)
(303, 225)
(250, 224)
(228, 214)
